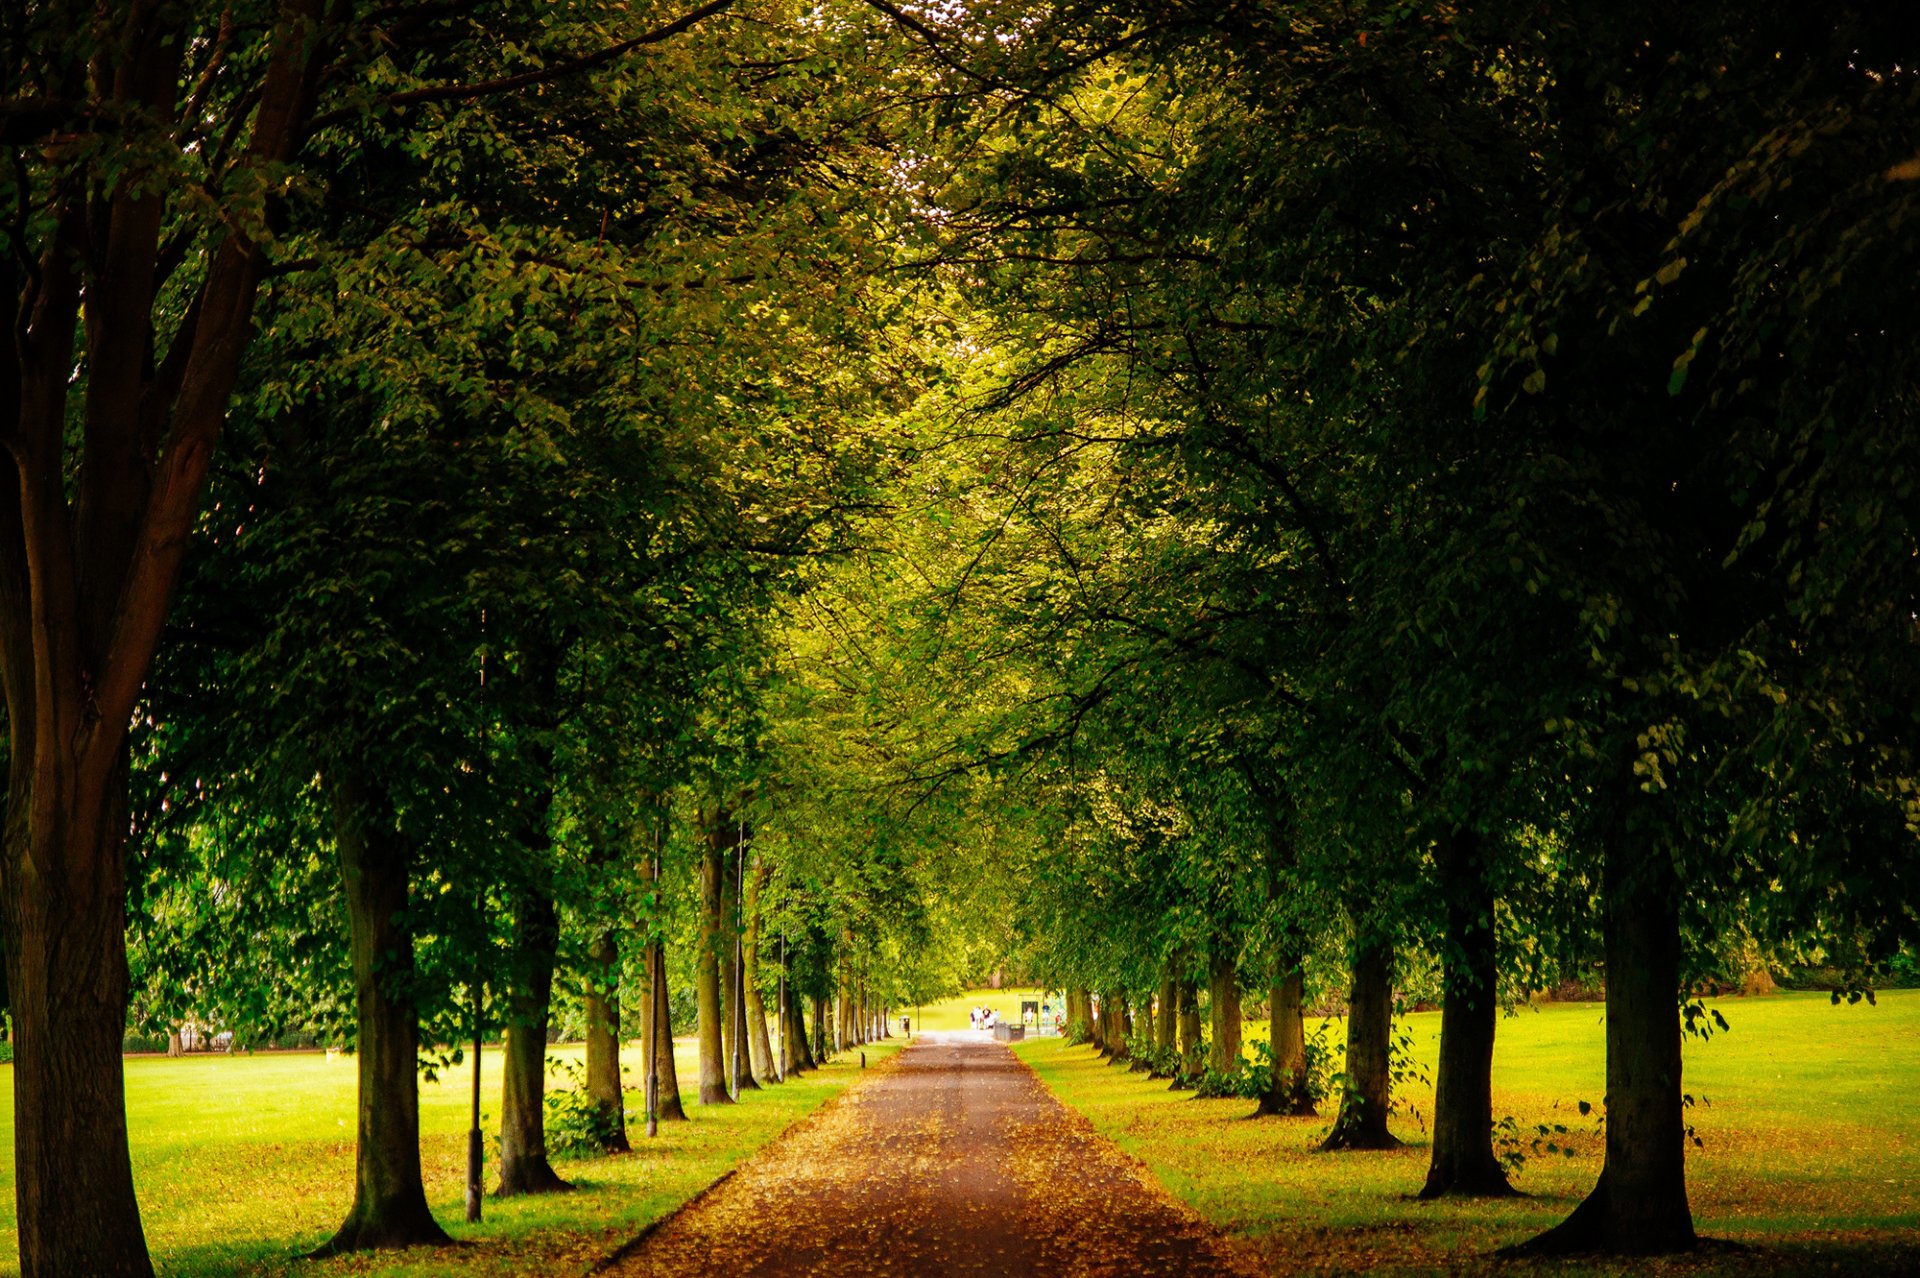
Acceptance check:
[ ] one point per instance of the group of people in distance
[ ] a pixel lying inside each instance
(983, 1018)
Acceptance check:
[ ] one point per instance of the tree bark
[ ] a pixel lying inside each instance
(654, 994)
(1113, 1012)
(1223, 1013)
(389, 1201)
(759, 1042)
(1639, 1205)
(524, 1168)
(604, 1083)
(1287, 1033)
(1463, 1158)
(1368, 1094)
(719, 834)
(1166, 1029)
(821, 1006)
(67, 975)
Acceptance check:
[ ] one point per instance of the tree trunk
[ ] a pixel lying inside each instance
(1639, 1205)
(1189, 1019)
(1167, 1027)
(820, 1022)
(604, 1083)
(66, 963)
(175, 1047)
(1364, 1102)
(669, 1108)
(1080, 1021)
(1113, 1011)
(389, 1202)
(1463, 1159)
(1223, 996)
(524, 1168)
(719, 834)
(100, 482)
(759, 1042)
(1287, 1032)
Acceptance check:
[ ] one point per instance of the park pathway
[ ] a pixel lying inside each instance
(954, 1159)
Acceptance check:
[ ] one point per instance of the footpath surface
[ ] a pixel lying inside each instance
(953, 1159)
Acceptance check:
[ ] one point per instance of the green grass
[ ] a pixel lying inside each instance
(1810, 1144)
(241, 1162)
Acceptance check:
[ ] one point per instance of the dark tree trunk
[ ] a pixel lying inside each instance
(389, 1202)
(1639, 1206)
(821, 1011)
(1080, 1026)
(1223, 1013)
(100, 483)
(1287, 1033)
(524, 1168)
(67, 975)
(604, 1083)
(654, 992)
(794, 1039)
(1368, 1095)
(719, 835)
(1463, 1159)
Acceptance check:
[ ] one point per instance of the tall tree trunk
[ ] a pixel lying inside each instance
(389, 1201)
(1287, 1033)
(1080, 1021)
(1166, 1029)
(100, 483)
(1113, 1011)
(719, 835)
(524, 1168)
(1223, 1011)
(1368, 1095)
(759, 1041)
(604, 1083)
(1463, 1158)
(821, 1011)
(1190, 1037)
(1639, 1205)
(66, 963)
(655, 995)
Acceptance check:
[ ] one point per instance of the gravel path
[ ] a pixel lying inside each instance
(952, 1159)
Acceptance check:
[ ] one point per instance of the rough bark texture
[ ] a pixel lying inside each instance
(821, 1051)
(1364, 1102)
(719, 832)
(604, 1083)
(389, 1201)
(1223, 1012)
(1639, 1206)
(1287, 1032)
(524, 1168)
(1463, 1159)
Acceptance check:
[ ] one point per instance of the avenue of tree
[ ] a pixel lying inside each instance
(525, 512)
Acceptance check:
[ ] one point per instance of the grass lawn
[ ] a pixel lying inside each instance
(1810, 1151)
(241, 1162)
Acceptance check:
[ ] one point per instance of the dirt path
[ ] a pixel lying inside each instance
(955, 1159)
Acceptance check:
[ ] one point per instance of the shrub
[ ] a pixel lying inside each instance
(576, 1124)
(1080, 1032)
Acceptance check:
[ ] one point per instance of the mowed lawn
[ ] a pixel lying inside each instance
(242, 1162)
(1806, 1114)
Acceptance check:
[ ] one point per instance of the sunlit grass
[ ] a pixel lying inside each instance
(242, 1162)
(1810, 1144)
